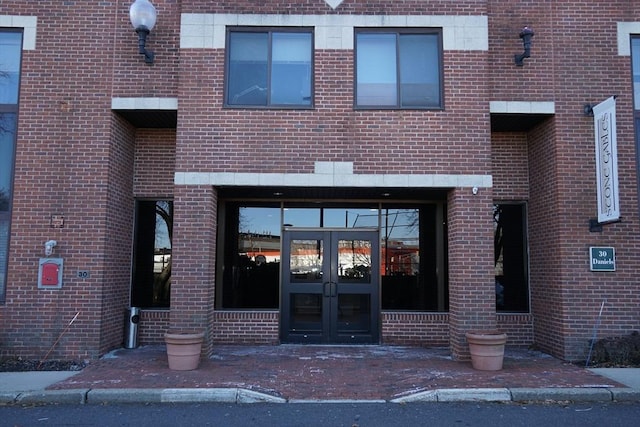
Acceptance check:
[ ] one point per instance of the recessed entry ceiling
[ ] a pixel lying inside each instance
(332, 193)
(516, 122)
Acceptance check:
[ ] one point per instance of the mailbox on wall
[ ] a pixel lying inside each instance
(50, 273)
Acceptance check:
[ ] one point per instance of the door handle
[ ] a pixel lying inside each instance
(330, 289)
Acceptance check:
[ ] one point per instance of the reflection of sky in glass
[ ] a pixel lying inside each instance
(7, 126)
(162, 240)
(260, 221)
(401, 223)
(10, 46)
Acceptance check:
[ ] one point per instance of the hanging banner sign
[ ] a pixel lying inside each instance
(606, 160)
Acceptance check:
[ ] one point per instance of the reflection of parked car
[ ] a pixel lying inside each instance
(312, 274)
(357, 272)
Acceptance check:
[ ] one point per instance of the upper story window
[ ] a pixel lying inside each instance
(269, 68)
(635, 62)
(399, 68)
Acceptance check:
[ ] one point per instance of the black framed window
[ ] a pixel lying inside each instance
(151, 276)
(635, 69)
(269, 68)
(399, 68)
(511, 257)
(412, 244)
(635, 74)
(11, 48)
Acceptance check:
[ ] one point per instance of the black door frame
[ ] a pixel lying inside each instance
(325, 289)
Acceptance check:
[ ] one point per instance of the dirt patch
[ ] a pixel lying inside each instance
(620, 352)
(16, 364)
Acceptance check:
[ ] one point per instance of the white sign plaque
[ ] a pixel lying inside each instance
(604, 118)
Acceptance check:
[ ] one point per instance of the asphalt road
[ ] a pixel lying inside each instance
(324, 415)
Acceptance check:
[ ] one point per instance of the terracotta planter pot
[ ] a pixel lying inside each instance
(183, 350)
(487, 349)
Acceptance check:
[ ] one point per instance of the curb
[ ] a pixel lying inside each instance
(244, 396)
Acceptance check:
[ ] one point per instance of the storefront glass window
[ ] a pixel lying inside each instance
(511, 257)
(151, 278)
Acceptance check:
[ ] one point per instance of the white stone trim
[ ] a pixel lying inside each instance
(28, 23)
(625, 29)
(332, 180)
(208, 30)
(144, 104)
(522, 107)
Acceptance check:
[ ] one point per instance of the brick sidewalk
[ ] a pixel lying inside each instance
(329, 372)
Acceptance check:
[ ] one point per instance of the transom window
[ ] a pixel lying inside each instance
(269, 68)
(399, 68)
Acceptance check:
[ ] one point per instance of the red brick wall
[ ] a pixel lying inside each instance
(75, 158)
(472, 299)
(510, 166)
(153, 324)
(245, 327)
(422, 329)
(193, 260)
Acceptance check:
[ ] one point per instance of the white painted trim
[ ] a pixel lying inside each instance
(28, 23)
(522, 107)
(332, 180)
(625, 29)
(208, 30)
(144, 104)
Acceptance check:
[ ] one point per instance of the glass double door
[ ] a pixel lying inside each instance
(330, 286)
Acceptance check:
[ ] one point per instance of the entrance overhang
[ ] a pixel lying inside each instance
(333, 180)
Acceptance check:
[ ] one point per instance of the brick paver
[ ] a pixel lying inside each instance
(329, 372)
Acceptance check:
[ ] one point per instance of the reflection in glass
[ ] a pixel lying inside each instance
(11, 48)
(151, 282)
(305, 263)
(306, 313)
(251, 276)
(409, 264)
(354, 261)
(635, 65)
(291, 69)
(248, 63)
(354, 313)
(7, 147)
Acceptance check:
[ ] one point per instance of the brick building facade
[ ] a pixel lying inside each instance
(316, 171)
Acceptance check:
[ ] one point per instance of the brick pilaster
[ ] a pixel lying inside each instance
(471, 274)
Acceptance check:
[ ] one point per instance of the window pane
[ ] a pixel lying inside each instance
(376, 73)
(306, 260)
(11, 48)
(411, 254)
(419, 70)
(354, 261)
(635, 57)
(291, 69)
(251, 258)
(510, 252)
(247, 80)
(302, 217)
(4, 251)
(7, 139)
(151, 284)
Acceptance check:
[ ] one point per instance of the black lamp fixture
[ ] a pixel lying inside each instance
(526, 35)
(143, 18)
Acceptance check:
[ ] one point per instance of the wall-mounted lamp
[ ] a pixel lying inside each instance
(48, 247)
(587, 110)
(143, 18)
(526, 35)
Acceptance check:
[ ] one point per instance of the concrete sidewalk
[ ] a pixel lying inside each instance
(299, 374)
